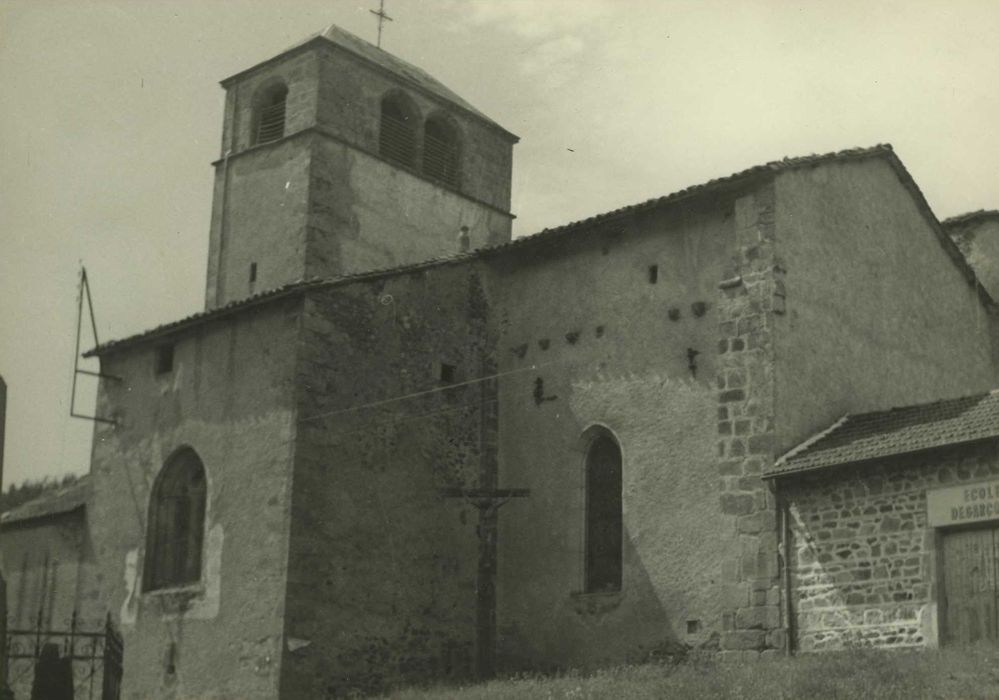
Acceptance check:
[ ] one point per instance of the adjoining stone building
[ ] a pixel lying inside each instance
(52, 576)
(892, 522)
(977, 235)
(300, 495)
(49, 562)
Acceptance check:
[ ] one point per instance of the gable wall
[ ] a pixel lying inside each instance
(877, 314)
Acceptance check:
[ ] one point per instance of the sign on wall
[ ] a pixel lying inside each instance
(968, 503)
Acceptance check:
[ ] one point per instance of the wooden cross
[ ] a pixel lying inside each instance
(488, 498)
(488, 501)
(382, 19)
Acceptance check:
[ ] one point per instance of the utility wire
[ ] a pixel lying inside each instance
(425, 392)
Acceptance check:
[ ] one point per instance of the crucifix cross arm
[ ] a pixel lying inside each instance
(486, 498)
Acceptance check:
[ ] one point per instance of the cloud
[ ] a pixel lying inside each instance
(553, 61)
(547, 39)
(530, 19)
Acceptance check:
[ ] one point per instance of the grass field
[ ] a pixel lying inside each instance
(953, 674)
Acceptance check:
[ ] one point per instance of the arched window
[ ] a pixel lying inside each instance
(176, 524)
(440, 150)
(397, 133)
(604, 528)
(270, 110)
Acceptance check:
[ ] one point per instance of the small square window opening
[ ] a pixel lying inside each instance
(164, 359)
(447, 373)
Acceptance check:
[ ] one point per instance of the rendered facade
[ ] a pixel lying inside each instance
(432, 452)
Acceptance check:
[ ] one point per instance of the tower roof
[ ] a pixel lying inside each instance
(371, 54)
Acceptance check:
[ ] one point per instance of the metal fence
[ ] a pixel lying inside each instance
(94, 657)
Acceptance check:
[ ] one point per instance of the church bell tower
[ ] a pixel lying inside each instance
(339, 158)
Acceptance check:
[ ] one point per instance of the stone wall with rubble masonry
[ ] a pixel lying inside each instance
(863, 561)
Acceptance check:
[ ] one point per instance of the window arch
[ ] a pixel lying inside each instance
(270, 114)
(176, 524)
(397, 130)
(440, 150)
(604, 516)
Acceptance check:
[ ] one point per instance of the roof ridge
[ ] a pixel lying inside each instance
(925, 404)
(968, 216)
(60, 498)
(545, 234)
(863, 437)
(811, 441)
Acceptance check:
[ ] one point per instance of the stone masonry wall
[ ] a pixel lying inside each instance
(746, 304)
(382, 564)
(863, 564)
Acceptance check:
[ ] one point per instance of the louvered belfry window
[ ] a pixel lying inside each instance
(176, 524)
(397, 135)
(440, 152)
(270, 114)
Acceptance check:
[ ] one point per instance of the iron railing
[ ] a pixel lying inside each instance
(95, 656)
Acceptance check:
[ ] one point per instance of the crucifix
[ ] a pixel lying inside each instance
(382, 19)
(488, 499)
(488, 502)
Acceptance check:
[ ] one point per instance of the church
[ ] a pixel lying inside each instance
(397, 446)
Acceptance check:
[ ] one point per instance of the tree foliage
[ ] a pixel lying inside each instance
(29, 490)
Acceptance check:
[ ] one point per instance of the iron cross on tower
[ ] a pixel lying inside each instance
(382, 19)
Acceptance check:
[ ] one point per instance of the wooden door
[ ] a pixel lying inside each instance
(970, 559)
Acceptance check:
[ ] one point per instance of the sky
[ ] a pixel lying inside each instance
(111, 115)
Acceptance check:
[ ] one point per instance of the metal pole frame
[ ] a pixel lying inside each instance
(85, 287)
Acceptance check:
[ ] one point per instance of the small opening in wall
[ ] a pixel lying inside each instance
(693, 626)
(164, 359)
(653, 274)
(171, 660)
(447, 373)
(253, 272)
